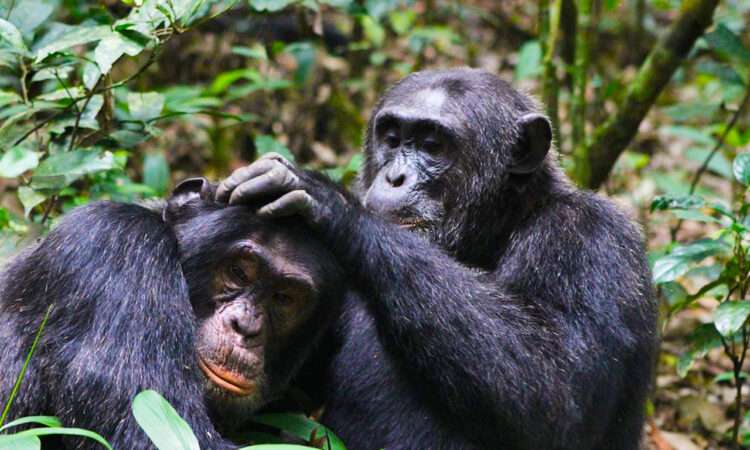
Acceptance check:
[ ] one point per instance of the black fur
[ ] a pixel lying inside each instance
(122, 282)
(522, 319)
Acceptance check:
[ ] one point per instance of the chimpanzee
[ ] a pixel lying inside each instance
(122, 279)
(497, 306)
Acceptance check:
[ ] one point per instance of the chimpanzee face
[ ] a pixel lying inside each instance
(263, 292)
(413, 145)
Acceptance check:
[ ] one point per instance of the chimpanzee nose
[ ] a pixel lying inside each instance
(395, 178)
(245, 322)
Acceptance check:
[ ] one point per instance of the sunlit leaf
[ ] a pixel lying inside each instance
(730, 316)
(741, 168)
(48, 421)
(145, 106)
(77, 36)
(20, 442)
(11, 36)
(166, 429)
(270, 5)
(61, 169)
(112, 48)
(701, 340)
(529, 62)
(17, 160)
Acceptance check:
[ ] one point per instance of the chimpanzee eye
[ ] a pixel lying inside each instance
(392, 139)
(282, 298)
(238, 275)
(431, 145)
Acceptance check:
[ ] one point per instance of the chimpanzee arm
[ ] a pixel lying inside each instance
(505, 354)
(121, 322)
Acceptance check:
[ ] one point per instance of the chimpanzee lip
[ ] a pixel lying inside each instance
(223, 378)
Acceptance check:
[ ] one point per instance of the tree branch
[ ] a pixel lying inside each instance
(611, 139)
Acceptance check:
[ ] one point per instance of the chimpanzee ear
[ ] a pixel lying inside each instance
(185, 191)
(536, 141)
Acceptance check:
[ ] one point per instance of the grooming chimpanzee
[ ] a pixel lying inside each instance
(499, 307)
(122, 279)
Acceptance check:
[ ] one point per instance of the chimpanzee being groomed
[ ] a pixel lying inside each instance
(499, 307)
(122, 279)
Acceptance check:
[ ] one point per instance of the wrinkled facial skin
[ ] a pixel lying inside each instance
(259, 296)
(412, 147)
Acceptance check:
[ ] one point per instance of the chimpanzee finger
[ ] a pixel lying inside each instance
(277, 181)
(243, 175)
(289, 204)
(277, 157)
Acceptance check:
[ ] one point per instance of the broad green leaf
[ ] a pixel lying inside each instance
(668, 268)
(267, 144)
(255, 52)
(529, 62)
(48, 421)
(78, 36)
(374, 32)
(16, 161)
(57, 431)
(730, 316)
(226, 79)
(278, 447)
(270, 5)
(29, 199)
(156, 172)
(20, 442)
(700, 249)
(112, 48)
(689, 133)
(10, 35)
(719, 163)
(664, 202)
(701, 340)
(726, 42)
(61, 169)
(8, 97)
(166, 429)
(28, 15)
(402, 21)
(302, 427)
(741, 168)
(304, 54)
(145, 106)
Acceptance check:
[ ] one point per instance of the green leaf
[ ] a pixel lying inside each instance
(10, 35)
(374, 32)
(701, 340)
(726, 42)
(48, 421)
(156, 172)
(61, 169)
(16, 161)
(226, 79)
(29, 199)
(112, 48)
(267, 144)
(78, 36)
(730, 316)
(664, 202)
(20, 442)
(687, 214)
(402, 21)
(166, 429)
(529, 63)
(56, 431)
(741, 168)
(255, 52)
(27, 15)
(302, 427)
(668, 268)
(278, 447)
(270, 5)
(145, 106)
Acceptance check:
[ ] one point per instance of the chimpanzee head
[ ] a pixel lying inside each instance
(263, 293)
(448, 151)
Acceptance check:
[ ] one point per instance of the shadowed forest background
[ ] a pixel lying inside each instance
(649, 101)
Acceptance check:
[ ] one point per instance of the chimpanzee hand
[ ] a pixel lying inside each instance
(291, 191)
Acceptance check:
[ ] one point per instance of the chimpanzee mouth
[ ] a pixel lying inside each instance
(412, 223)
(229, 381)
